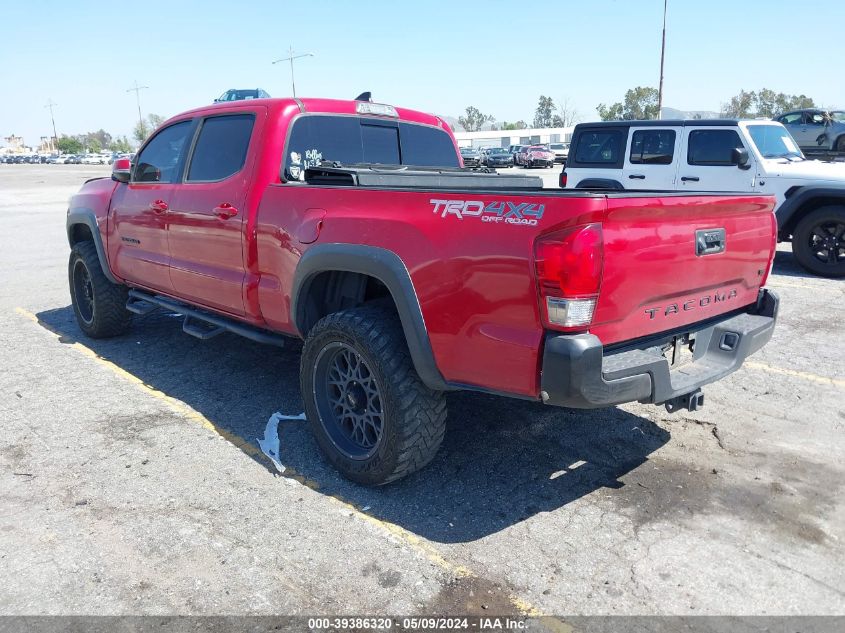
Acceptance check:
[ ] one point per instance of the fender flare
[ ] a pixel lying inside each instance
(786, 212)
(85, 216)
(600, 183)
(388, 268)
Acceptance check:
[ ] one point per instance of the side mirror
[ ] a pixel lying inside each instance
(739, 157)
(121, 170)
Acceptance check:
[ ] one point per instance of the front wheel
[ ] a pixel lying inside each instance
(818, 242)
(372, 416)
(840, 144)
(99, 304)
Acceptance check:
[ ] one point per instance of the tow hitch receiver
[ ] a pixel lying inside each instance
(692, 401)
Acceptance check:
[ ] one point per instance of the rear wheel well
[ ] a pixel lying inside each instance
(80, 233)
(335, 290)
(787, 230)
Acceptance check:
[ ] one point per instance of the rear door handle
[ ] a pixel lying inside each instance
(637, 177)
(158, 206)
(689, 178)
(225, 211)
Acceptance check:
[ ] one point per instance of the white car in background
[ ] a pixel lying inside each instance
(93, 159)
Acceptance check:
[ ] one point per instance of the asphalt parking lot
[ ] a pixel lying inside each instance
(132, 483)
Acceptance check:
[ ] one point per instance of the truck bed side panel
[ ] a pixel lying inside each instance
(473, 276)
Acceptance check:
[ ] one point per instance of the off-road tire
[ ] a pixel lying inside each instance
(802, 238)
(414, 416)
(104, 314)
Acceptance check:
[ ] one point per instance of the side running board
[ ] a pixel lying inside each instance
(199, 323)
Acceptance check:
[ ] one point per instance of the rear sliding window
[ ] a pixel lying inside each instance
(712, 147)
(352, 140)
(600, 147)
(652, 147)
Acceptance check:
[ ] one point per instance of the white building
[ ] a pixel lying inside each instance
(506, 138)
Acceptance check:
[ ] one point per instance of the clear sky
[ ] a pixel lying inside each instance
(428, 55)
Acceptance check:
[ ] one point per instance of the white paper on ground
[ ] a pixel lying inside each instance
(269, 444)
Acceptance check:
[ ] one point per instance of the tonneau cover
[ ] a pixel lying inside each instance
(419, 178)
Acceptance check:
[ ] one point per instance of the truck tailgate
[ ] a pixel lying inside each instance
(664, 267)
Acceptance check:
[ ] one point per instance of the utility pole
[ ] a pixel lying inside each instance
(55, 140)
(137, 90)
(662, 56)
(292, 56)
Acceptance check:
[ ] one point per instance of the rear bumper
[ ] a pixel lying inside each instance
(578, 374)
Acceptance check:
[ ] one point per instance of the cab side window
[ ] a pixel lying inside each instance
(712, 147)
(221, 147)
(160, 159)
(652, 147)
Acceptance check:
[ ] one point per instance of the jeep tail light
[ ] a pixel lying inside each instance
(563, 180)
(569, 264)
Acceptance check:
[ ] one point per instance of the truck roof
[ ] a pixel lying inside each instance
(663, 123)
(315, 105)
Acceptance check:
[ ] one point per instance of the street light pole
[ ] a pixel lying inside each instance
(137, 90)
(55, 140)
(292, 56)
(662, 56)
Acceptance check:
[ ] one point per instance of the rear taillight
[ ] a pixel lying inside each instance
(563, 180)
(569, 264)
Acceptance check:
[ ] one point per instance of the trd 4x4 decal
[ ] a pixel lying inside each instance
(523, 213)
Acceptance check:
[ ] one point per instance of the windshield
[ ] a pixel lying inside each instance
(773, 141)
(838, 115)
(498, 150)
(467, 150)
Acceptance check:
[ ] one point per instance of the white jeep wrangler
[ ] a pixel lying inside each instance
(721, 155)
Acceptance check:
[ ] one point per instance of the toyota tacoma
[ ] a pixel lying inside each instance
(352, 225)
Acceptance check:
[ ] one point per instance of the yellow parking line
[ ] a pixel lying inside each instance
(420, 545)
(836, 382)
(177, 405)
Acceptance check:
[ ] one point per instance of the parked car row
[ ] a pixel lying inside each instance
(537, 155)
(19, 159)
(103, 158)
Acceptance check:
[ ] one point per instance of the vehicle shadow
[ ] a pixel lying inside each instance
(503, 460)
(786, 264)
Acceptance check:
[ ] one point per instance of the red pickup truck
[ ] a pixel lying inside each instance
(354, 226)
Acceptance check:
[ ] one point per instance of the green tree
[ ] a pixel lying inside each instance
(544, 112)
(640, 103)
(518, 125)
(765, 103)
(102, 137)
(93, 145)
(69, 145)
(474, 119)
(146, 127)
(120, 144)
